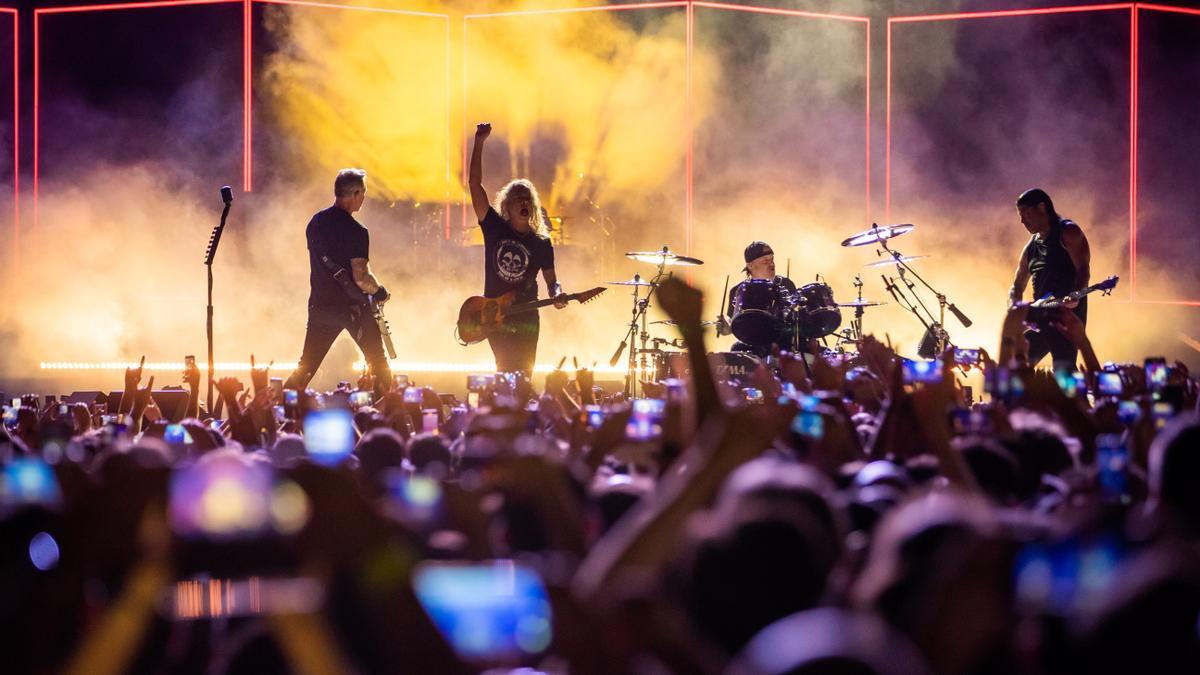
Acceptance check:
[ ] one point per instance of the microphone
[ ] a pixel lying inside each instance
(227, 194)
(617, 355)
(959, 315)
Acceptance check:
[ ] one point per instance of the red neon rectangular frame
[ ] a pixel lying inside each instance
(866, 21)
(571, 10)
(1133, 96)
(1134, 178)
(690, 7)
(16, 74)
(247, 74)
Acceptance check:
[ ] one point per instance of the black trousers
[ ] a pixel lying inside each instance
(1048, 340)
(325, 324)
(515, 347)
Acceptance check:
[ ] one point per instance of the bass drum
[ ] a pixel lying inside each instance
(734, 367)
(758, 307)
(818, 314)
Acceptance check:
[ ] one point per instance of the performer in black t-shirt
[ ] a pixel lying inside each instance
(334, 233)
(1058, 260)
(516, 246)
(760, 264)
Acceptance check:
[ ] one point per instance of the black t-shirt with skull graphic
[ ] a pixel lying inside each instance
(512, 260)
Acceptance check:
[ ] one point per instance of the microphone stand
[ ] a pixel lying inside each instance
(209, 255)
(943, 304)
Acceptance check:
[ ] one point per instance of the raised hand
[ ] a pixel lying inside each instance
(133, 376)
(191, 375)
(483, 130)
(260, 377)
(681, 302)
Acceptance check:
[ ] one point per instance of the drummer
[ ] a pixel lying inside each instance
(760, 264)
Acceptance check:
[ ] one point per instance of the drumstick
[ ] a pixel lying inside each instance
(725, 295)
(788, 273)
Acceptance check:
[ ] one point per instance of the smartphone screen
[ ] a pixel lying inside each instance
(966, 357)
(1112, 459)
(175, 433)
(595, 416)
(924, 372)
(1129, 412)
(479, 382)
(30, 481)
(329, 435)
(809, 424)
(400, 381)
(10, 417)
(413, 395)
(290, 397)
(752, 395)
(276, 387)
(1072, 382)
(491, 612)
(429, 420)
(1161, 412)
(1156, 374)
(359, 399)
(1110, 384)
(221, 499)
(418, 498)
(645, 419)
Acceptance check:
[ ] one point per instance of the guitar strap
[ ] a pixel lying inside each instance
(344, 279)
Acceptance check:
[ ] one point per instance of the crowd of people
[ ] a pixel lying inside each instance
(861, 516)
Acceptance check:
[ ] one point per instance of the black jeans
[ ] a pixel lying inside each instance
(1047, 340)
(515, 347)
(325, 324)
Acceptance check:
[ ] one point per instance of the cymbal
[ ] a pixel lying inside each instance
(632, 282)
(663, 257)
(861, 303)
(893, 261)
(878, 233)
(669, 322)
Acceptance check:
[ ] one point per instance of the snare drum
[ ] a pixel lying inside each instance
(819, 314)
(758, 307)
(733, 366)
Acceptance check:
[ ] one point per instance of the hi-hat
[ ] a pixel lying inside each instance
(663, 257)
(893, 261)
(861, 303)
(878, 233)
(632, 282)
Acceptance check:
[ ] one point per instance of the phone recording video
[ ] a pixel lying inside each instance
(417, 499)
(1161, 412)
(595, 416)
(359, 399)
(923, 372)
(10, 417)
(966, 357)
(400, 381)
(495, 612)
(413, 395)
(1108, 383)
(1129, 412)
(645, 419)
(222, 499)
(1112, 461)
(29, 481)
(1072, 382)
(329, 435)
(1156, 373)
(175, 434)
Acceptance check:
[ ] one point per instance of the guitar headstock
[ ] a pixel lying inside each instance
(1107, 285)
(587, 296)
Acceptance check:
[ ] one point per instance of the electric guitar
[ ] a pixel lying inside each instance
(1046, 309)
(481, 317)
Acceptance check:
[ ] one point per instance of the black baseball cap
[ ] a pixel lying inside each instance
(756, 250)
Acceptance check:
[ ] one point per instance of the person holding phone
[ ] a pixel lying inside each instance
(516, 246)
(334, 235)
(1058, 261)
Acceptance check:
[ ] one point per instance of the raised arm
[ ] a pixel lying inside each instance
(1020, 279)
(479, 197)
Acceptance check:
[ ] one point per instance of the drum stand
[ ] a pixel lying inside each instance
(638, 320)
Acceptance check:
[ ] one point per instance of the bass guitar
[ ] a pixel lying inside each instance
(481, 317)
(1046, 309)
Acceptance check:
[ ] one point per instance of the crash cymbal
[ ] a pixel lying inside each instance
(861, 303)
(663, 257)
(893, 261)
(878, 233)
(632, 282)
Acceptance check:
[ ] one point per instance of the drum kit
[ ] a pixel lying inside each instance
(768, 312)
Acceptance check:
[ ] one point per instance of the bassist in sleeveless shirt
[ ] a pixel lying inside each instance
(1058, 260)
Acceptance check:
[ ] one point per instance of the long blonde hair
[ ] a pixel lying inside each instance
(536, 222)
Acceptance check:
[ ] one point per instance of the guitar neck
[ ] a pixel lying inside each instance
(535, 304)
